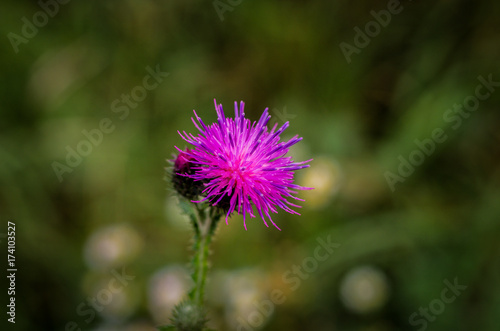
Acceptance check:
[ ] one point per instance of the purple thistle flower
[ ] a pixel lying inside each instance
(183, 166)
(243, 165)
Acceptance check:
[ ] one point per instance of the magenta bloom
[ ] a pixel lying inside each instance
(242, 165)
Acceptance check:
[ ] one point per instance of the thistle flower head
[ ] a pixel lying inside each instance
(242, 165)
(182, 163)
(182, 169)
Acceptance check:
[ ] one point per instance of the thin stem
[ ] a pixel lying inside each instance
(202, 265)
(190, 314)
(204, 229)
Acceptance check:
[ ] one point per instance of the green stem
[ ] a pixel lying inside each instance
(204, 229)
(190, 314)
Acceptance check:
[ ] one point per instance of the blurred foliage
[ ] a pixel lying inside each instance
(113, 213)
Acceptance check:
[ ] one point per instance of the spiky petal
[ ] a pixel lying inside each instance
(243, 164)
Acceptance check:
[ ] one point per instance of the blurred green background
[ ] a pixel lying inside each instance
(403, 241)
